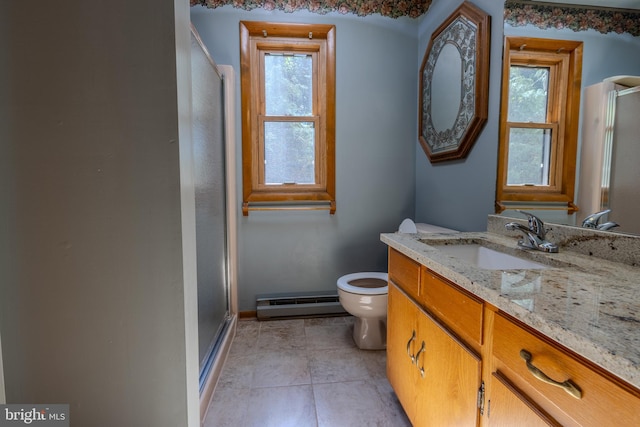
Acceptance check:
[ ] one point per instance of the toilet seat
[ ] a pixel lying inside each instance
(343, 283)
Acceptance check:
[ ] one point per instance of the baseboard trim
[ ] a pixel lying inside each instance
(243, 315)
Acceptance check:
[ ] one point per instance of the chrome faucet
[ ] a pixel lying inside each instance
(593, 221)
(608, 225)
(535, 234)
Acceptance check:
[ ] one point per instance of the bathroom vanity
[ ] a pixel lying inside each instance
(477, 343)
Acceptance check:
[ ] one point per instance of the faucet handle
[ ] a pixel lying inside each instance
(607, 226)
(535, 224)
(593, 220)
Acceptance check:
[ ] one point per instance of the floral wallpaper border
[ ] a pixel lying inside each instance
(577, 18)
(389, 8)
(516, 12)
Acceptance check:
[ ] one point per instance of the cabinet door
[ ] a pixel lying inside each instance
(402, 335)
(508, 407)
(448, 388)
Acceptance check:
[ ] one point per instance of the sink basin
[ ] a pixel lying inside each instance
(490, 255)
(489, 259)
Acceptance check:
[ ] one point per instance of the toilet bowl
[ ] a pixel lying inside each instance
(364, 295)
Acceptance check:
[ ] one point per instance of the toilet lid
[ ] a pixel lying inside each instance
(363, 283)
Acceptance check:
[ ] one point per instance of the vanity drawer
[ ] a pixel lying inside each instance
(603, 399)
(404, 272)
(459, 310)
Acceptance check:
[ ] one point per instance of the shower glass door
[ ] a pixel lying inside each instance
(211, 208)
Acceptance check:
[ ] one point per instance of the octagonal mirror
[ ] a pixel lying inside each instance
(454, 84)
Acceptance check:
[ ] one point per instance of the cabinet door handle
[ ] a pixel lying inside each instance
(411, 356)
(567, 385)
(420, 368)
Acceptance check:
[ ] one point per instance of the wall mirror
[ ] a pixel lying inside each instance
(454, 84)
(611, 39)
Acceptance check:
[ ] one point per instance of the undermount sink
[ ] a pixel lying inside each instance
(488, 255)
(489, 259)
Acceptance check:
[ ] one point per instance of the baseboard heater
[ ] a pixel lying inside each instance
(299, 304)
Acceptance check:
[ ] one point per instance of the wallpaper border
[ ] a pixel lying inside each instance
(389, 8)
(519, 13)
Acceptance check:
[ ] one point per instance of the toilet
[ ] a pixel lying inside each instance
(364, 295)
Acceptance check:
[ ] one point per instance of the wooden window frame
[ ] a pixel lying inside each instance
(257, 39)
(564, 58)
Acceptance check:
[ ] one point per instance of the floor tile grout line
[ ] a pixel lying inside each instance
(315, 403)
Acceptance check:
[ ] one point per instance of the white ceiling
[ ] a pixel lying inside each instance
(622, 4)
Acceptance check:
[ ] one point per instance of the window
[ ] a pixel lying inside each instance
(288, 116)
(539, 123)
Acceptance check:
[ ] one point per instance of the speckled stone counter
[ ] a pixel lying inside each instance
(590, 305)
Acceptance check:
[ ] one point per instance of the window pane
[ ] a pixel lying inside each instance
(529, 156)
(288, 85)
(289, 152)
(528, 94)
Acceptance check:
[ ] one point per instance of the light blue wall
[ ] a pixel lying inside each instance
(460, 194)
(383, 175)
(375, 155)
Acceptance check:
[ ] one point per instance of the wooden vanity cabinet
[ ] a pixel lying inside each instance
(583, 394)
(435, 375)
(438, 383)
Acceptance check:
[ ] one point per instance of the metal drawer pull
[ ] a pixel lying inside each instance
(420, 368)
(411, 356)
(567, 385)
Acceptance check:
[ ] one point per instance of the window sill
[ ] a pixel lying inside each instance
(329, 205)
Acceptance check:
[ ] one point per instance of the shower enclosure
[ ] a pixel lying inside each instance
(212, 216)
(609, 172)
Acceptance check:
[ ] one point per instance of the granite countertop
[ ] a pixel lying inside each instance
(590, 305)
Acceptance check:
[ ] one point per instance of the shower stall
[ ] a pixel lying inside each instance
(213, 157)
(609, 172)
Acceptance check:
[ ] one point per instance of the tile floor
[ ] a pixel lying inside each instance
(303, 373)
